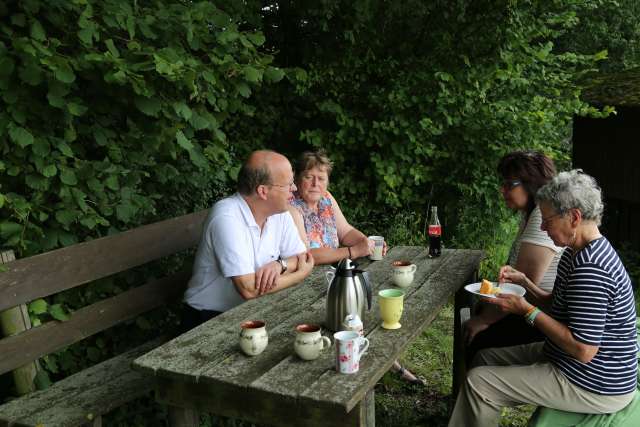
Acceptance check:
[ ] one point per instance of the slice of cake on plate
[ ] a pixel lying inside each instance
(487, 288)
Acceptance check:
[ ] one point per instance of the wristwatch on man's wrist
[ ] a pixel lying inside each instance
(283, 264)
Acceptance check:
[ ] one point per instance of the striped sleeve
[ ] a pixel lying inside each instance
(587, 298)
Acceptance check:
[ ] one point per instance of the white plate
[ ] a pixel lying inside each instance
(505, 288)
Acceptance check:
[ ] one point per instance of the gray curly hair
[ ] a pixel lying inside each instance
(573, 190)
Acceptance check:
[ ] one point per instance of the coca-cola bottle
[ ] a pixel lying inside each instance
(435, 234)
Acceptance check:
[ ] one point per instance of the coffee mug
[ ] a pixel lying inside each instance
(403, 273)
(253, 337)
(391, 301)
(309, 342)
(350, 347)
(378, 246)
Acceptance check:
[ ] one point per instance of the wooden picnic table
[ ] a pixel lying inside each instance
(204, 369)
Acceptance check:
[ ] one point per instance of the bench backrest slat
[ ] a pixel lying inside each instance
(19, 349)
(52, 272)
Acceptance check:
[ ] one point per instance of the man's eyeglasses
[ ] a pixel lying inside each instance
(510, 184)
(289, 186)
(547, 221)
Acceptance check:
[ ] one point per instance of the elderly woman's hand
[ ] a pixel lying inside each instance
(510, 303)
(510, 275)
(363, 248)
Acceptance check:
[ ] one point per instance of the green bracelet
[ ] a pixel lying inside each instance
(532, 316)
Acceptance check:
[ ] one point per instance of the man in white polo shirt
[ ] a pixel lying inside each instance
(250, 245)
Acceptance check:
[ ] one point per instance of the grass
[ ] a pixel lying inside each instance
(401, 404)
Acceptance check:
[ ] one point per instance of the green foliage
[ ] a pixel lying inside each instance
(609, 28)
(113, 112)
(415, 102)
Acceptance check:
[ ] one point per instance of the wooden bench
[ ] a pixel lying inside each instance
(83, 397)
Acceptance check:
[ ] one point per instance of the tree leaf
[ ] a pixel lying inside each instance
(76, 109)
(64, 73)
(88, 222)
(251, 74)
(42, 380)
(68, 177)
(51, 363)
(70, 134)
(64, 148)
(55, 100)
(198, 122)
(36, 182)
(65, 217)
(149, 106)
(273, 74)
(38, 306)
(49, 171)
(131, 26)
(183, 141)
(57, 312)
(37, 32)
(67, 239)
(41, 147)
(20, 136)
(112, 48)
(112, 182)
(86, 36)
(182, 110)
(126, 211)
(31, 73)
(243, 89)
(257, 39)
(6, 67)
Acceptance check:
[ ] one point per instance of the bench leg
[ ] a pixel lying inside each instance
(181, 417)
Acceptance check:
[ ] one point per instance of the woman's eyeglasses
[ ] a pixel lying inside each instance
(546, 221)
(510, 184)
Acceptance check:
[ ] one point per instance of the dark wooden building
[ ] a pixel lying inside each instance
(609, 150)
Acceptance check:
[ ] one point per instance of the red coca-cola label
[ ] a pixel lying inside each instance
(435, 230)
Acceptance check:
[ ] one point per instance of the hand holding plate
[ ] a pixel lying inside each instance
(510, 303)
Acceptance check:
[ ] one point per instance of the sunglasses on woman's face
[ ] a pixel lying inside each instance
(510, 184)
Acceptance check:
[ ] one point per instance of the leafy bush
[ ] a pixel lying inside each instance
(418, 110)
(112, 113)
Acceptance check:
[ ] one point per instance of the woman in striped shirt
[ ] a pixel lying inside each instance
(588, 361)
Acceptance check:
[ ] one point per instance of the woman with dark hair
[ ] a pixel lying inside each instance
(523, 173)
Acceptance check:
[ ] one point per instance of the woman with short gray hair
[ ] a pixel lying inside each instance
(587, 363)
(574, 190)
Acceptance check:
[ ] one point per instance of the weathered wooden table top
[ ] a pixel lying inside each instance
(209, 355)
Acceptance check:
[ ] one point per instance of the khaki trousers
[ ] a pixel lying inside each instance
(512, 376)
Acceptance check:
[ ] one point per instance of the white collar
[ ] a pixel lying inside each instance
(247, 215)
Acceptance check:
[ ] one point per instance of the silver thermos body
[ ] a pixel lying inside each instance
(349, 292)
